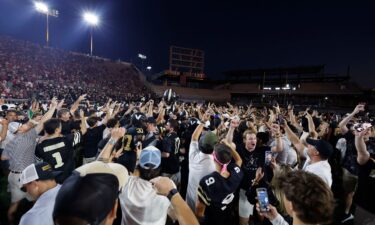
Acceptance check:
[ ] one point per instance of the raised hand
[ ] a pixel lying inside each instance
(271, 214)
(118, 133)
(359, 108)
(4, 122)
(82, 97)
(163, 185)
(54, 102)
(275, 128)
(61, 103)
(235, 122)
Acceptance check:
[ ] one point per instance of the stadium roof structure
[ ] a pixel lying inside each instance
(318, 69)
(277, 75)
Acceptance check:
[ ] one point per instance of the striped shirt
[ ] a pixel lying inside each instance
(21, 150)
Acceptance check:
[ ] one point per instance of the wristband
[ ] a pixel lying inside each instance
(112, 141)
(172, 193)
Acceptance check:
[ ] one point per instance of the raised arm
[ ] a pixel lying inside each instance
(75, 105)
(294, 139)
(275, 129)
(116, 134)
(362, 154)
(150, 108)
(342, 125)
(182, 211)
(47, 116)
(236, 157)
(234, 123)
(83, 122)
(311, 125)
(161, 113)
(4, 130)
(198, 130)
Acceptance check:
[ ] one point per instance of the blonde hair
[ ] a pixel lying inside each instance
(276, 188)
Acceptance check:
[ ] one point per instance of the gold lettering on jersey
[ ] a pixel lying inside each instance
(54, 147)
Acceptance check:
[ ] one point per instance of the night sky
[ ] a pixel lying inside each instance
(233, 34)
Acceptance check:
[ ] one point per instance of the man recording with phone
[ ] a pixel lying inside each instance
(307, 199)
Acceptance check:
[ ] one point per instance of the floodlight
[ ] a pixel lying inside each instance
(149, 68)
(91, 18)
(41, 7)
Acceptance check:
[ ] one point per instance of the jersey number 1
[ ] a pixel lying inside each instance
(59, 162)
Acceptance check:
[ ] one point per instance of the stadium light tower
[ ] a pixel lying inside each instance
(92, 20)
(42, 7)
(143, 58)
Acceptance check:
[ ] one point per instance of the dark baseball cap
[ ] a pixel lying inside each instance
(323, 147)
(90, 193)
(38, 171)
(208, 141)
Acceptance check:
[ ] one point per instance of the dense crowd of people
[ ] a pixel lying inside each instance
(164, 161)
(29, 71)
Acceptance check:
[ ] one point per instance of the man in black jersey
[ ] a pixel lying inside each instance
(216, 190)
(170, 148)
(150, 138)
(57, 149)
(130, 142)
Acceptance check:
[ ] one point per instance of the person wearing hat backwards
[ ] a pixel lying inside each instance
(140, 203)
(38, 180)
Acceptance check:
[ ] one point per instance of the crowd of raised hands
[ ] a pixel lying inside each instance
(282, 150)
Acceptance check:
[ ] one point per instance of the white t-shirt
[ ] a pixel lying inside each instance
(41, 212)
(200, 165)
(322, 169)
(140, 204)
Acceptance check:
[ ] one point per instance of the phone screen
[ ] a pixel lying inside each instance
(280, 119)
(268, 158)
(263, 199)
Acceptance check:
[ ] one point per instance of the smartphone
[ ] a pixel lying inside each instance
(263, 199)
(268, 158)
(280, 119)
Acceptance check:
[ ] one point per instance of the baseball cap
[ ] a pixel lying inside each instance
(323, 147)
(38, 171)
(208, 141)
(99, 167)
(13, 127)
(90, 192)
(150, 156)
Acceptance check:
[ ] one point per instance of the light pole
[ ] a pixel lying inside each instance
(43, 8)
(93, 21)
(142, 57)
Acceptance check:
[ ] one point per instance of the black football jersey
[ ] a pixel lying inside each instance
(171, 145)
(59, 152)
(132, 136)
(217, 193)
